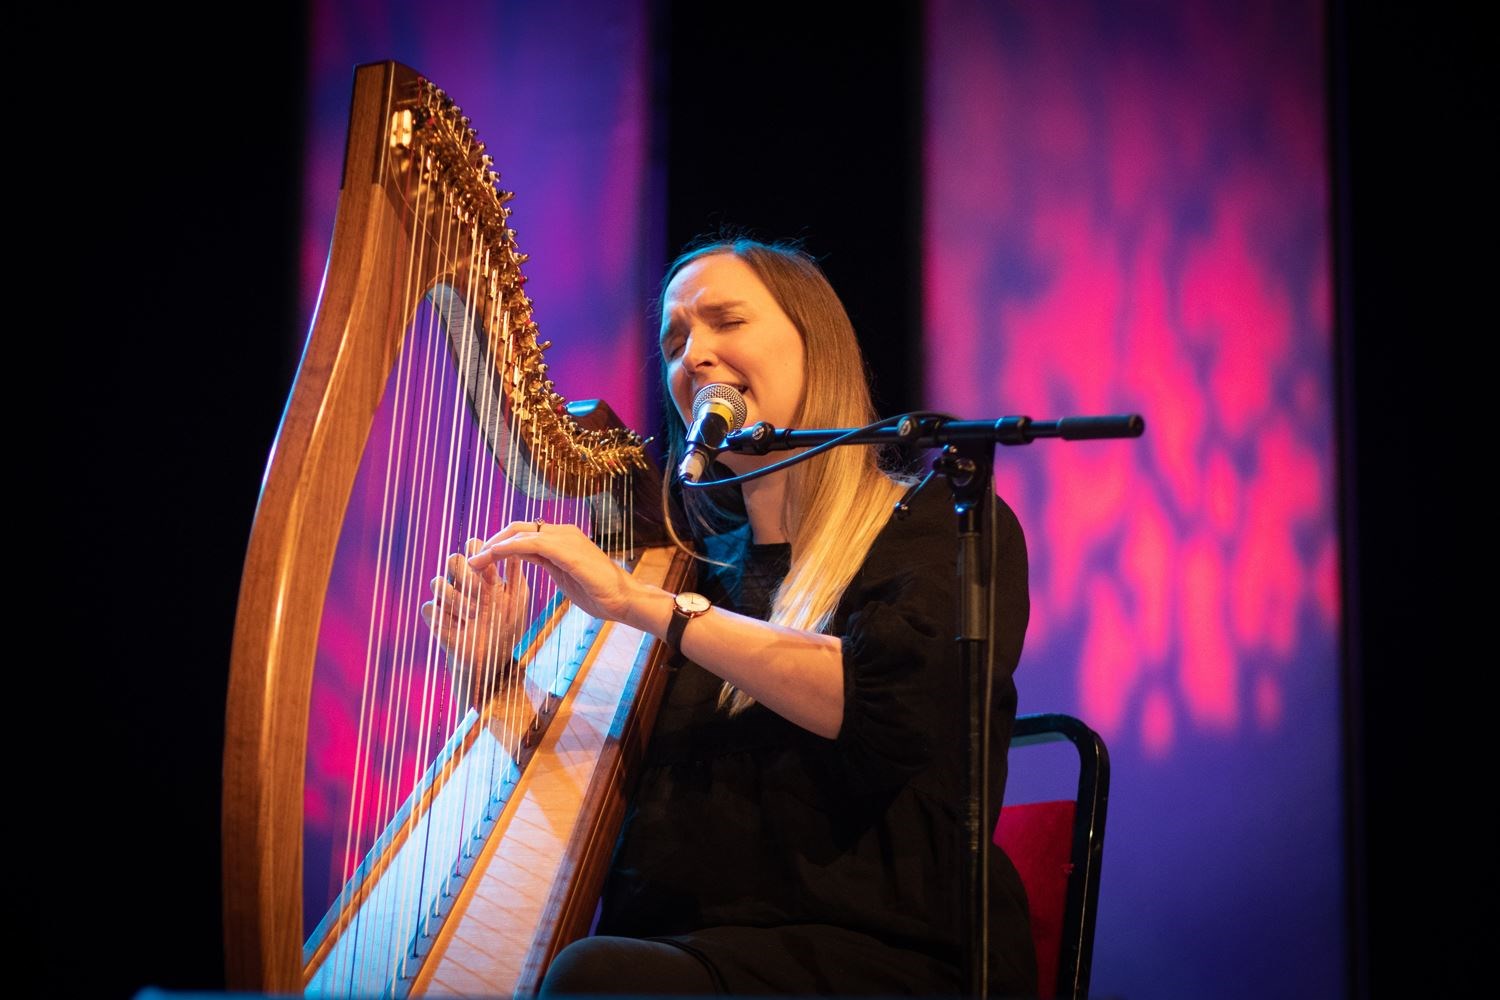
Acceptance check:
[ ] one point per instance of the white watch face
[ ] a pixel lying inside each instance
(692, 604)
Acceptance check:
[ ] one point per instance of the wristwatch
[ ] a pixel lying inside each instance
(685, 607)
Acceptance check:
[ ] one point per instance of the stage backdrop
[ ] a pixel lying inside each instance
(1126, 211)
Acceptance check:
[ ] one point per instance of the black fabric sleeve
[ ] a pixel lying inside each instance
(904, 685)
(890, 655)
(901, 661)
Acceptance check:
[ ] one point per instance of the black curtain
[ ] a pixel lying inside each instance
(178, 173)
(797, 124)
(1412, 127)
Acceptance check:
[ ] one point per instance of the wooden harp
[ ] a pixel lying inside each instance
(464, 873)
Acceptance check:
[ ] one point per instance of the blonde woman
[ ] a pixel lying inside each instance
(797, 827)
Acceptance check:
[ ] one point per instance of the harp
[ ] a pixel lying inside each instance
(479, 826)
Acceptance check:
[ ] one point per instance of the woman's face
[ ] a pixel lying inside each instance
(721, 324)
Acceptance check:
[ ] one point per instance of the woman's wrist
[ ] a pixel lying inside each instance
(650, 610)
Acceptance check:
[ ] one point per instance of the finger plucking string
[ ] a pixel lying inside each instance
(514, 532)
(454, 602)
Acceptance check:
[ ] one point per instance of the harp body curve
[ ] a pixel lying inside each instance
(396, 192)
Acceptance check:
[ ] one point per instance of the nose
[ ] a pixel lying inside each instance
(698, 350)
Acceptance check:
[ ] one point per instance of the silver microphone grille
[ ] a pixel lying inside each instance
(729, 395)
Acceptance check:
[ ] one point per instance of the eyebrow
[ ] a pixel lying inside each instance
(720, 306)
(710, 308)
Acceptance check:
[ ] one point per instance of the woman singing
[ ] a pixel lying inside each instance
(797, 828)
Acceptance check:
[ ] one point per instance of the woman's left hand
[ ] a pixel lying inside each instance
(591, 579)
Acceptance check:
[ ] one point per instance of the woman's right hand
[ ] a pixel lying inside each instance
(477, 615)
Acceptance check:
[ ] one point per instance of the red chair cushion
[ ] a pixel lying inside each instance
(1038, 838)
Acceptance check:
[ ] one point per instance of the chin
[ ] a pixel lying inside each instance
(740, 464)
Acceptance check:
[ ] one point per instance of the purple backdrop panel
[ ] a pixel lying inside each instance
(559, 93)
(1126, 212)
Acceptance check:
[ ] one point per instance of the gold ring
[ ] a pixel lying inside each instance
(539, 523)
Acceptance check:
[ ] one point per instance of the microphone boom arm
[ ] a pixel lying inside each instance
(925, 430)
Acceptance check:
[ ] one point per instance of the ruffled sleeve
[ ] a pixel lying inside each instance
(903, 685)
(891, 707)
(905, 694)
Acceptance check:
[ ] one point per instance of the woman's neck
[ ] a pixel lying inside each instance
(765, 500)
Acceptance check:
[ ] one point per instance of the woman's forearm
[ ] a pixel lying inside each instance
(798, 675)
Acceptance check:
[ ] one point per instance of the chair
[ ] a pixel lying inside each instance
(1057, 847)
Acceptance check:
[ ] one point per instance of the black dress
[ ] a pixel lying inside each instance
(791, 863)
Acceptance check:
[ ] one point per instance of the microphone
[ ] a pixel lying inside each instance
(718, 410)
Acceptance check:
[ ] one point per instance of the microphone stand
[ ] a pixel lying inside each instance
(967, 462)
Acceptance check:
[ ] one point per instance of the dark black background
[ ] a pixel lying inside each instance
(178, 202)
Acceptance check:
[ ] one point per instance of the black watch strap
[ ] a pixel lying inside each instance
(674, 630)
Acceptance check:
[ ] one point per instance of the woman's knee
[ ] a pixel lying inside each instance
(626, 966)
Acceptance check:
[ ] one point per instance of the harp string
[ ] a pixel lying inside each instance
(380, 694)
(489, 682)
(417, 396)
(495, 686)
(435, 717)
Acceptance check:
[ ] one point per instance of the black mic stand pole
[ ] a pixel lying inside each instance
(967, 462)
(969, 469)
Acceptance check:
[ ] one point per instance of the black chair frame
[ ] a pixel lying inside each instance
(1075, 957)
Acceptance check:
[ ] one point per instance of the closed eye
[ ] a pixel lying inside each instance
(671, 341)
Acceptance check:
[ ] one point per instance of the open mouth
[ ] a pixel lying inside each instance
(739, 387)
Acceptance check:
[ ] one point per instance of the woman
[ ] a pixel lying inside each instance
(797, 828)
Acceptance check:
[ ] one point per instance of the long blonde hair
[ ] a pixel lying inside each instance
(836, 502)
